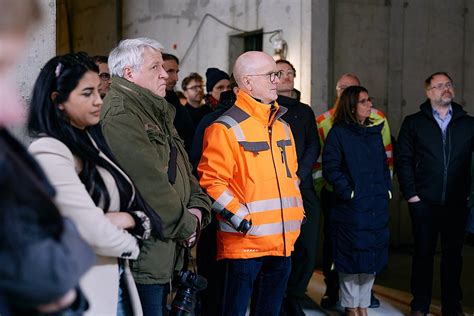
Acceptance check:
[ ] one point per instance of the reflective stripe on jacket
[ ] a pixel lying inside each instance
(324, 123)
(248, 168)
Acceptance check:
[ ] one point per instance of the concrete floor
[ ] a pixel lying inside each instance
(392, 287)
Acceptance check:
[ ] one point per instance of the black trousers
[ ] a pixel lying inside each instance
(210, 268)
(429, 222)
(303, 258)
(331, 277)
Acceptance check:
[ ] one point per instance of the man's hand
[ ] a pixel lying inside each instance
(414, 199)
(192, 239)
(61, 303)
(196, 212)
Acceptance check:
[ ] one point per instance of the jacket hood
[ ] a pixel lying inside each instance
(142, 97)
(287, 101)
(371, 129)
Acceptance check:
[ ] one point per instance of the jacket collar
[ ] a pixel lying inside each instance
(143, 97)
(287, 101)
(371, 129)
(427, 110)
(265, 113)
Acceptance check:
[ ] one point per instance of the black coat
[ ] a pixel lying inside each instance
(303, 127)
(437, 171)
(182, 121)
(354, 161)
(42, 255)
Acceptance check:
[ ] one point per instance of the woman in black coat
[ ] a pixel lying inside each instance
(355, 164)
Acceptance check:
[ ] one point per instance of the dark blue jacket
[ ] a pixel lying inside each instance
(354, 161)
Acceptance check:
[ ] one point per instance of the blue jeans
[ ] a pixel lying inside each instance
(264, 279)
(153, 298)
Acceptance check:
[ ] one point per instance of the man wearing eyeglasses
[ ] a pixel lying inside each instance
(249, 168)
(303, 126)
(193, 89)
(434, 173)
(104, 74)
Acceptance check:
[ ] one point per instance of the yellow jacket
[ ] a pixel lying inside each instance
(248, 168)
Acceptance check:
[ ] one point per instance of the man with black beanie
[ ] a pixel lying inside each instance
(217, 81)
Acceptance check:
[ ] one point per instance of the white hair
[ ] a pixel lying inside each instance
(129, 53)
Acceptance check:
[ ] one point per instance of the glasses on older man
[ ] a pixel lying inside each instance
(271, 76)
(442, 86)
(104, 76)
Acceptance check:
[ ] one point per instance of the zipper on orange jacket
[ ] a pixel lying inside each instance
(270, 126)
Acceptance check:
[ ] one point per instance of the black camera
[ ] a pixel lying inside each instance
(188, 284)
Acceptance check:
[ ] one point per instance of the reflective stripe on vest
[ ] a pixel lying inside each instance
(274, 204)
(234, 126)
(222, 201)
(265, 229)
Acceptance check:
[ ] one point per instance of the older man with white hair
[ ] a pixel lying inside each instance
(138, 125)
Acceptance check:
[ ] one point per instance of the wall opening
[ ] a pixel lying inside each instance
(244, 42)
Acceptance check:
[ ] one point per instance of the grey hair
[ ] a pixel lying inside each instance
(129, 53)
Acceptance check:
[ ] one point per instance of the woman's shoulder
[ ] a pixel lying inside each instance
(50, 146)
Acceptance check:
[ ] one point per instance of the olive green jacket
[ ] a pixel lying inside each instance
(138, 126)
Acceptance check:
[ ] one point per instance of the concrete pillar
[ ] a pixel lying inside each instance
(320, 55)
(41, 48)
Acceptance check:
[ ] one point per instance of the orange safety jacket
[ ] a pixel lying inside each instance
(324, 124)
(248, 167)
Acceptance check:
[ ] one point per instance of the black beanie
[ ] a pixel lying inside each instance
(213, 76)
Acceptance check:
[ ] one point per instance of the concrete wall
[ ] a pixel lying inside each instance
(175, 23)
(393, 46)
(41, 48)
(87, 25)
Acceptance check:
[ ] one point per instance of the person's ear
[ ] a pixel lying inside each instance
(128, 74)
(246, 82)
(54, 95)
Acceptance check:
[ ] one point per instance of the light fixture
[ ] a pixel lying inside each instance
(280, 47)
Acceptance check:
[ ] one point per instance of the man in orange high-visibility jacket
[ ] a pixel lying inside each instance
(248, 168)
(324, 190)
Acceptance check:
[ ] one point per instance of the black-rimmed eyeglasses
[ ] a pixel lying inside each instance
(104, 76)
(272, 75)
(195, 88)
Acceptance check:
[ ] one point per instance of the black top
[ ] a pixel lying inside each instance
(197, 114)
(302, 122)
(42, 254)
(182, 121)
